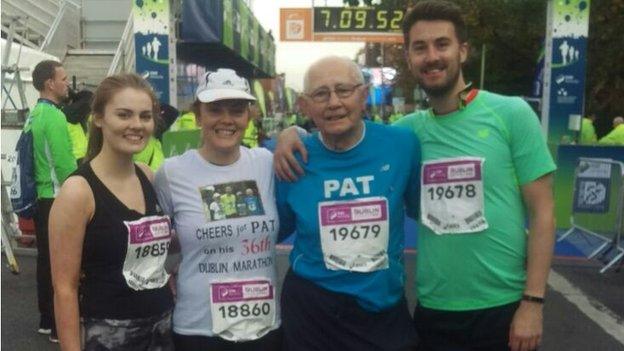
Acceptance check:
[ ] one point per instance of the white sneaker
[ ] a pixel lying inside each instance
(44, 331)
(53, 339)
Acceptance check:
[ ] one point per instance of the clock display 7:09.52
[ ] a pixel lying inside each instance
(356, 19)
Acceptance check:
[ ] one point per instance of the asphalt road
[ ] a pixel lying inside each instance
(566, 327)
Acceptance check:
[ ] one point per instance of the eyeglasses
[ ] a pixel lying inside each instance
(342, 91)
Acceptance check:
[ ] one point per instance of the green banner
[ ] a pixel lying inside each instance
(244, 35)
(230, 19)
(253, 41)
(177, 142)
(245, 14)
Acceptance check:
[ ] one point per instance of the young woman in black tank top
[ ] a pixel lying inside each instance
(108, 236)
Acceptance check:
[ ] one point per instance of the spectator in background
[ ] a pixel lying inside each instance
(616, 136)
(53, 163)
(253, 133)
(186, 121)
(152, 155)
(588, 132)
(77, 111)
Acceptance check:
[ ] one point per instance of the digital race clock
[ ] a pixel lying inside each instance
(356, 19)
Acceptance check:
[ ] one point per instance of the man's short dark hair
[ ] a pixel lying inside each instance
(435, 10)
(43, 71)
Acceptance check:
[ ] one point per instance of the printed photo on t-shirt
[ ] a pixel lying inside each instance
(231, 200)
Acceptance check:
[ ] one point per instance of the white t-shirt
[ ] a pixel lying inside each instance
(227, 277)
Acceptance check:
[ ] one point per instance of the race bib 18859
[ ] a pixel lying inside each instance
(354, 234)
(148, 245)
(451, 197)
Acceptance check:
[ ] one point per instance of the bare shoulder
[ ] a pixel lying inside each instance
(75, 195)
(146, 170)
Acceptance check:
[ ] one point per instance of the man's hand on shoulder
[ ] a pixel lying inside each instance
(286, 165)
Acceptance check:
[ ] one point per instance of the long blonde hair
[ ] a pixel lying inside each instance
(103, 95)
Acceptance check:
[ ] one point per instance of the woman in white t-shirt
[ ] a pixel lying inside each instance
(226, 295)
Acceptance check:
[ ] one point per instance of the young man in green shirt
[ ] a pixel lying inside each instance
(53, 163)
(486, 168)
(480, 278)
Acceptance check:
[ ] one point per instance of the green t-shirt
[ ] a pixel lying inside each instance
(615, 137)
(469, 271)
(228, 204)
(588, 133)
(54, 159)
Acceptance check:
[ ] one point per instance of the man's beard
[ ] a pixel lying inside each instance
(440, 90)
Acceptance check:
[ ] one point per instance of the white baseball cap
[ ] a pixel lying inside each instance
(224, 84)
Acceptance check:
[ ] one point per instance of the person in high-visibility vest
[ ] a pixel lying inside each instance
(78, 139)
(588, 132)
(186, 121)
(616, 136)
(77, 110)
(251, 137)
(152, 155)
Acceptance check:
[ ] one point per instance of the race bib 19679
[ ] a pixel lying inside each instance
(354, 234)
(451, 197)
(148, 244)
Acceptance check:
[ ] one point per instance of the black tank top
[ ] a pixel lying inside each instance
(104, 292)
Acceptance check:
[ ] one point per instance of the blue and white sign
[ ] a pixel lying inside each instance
(564, 67)
(151, 42)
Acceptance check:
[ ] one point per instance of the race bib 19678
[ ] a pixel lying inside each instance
(451, 199)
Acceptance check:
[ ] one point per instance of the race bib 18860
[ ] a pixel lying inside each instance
(242, 310)
(451, 199)
(354, 234)
(148, 245)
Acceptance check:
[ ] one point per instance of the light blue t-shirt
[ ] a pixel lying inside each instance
(382, 168)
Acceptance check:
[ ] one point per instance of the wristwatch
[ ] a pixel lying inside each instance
(533, 299)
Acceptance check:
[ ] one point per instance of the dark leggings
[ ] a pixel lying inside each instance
(270, 342)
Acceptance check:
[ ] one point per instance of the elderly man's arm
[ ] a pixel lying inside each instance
(526, 328)
(286, 165)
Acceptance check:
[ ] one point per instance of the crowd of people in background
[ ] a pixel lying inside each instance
(588, 132)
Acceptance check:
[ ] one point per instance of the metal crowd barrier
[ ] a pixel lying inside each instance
(593, 180)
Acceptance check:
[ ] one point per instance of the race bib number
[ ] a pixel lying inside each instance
(354, 234)
(148, 245)
(451, 199)
(242, 310)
